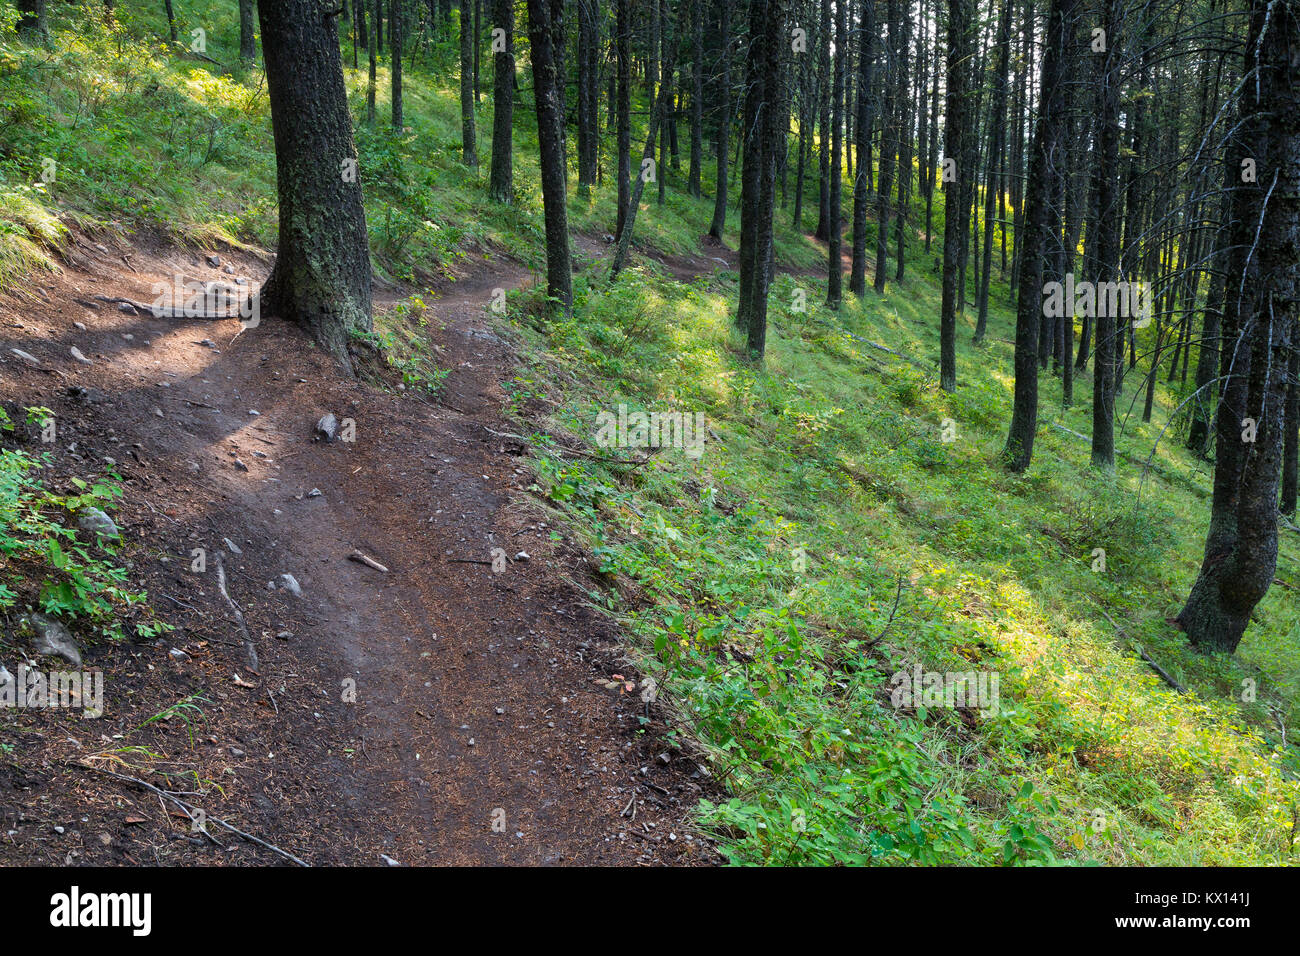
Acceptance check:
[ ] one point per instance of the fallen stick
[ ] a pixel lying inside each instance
(168, 312)
(1168, 678)
(239, 614)
(367, 561)
(190, 810)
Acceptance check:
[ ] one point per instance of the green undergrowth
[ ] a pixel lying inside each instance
(846, 521)
(829, 537)
(46, 563)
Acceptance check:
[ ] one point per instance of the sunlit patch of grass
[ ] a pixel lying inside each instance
(29, 233)
(834, 446)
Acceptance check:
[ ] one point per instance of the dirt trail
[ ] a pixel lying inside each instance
(479, 732)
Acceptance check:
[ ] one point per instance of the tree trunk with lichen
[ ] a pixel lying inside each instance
(321, 277)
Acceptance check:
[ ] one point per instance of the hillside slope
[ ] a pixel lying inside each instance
(846, 522)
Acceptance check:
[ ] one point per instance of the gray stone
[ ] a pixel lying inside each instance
(76, 354)
(97, 522)
(52, 638)
(289, 583)
(327, 427)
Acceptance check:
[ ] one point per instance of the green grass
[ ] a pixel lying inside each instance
(837, 448)
(827, 538)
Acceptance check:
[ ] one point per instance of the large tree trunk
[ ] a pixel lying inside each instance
(764, 130)
(1037, 240)
(31, 20)
(545, 18)
(501, 183)
(321, 277)
(866, 39)
(469, 144)
(1241, 546)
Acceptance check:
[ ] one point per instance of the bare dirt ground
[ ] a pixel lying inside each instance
(481, 732)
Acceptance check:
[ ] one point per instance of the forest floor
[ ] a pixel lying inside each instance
(482, 730)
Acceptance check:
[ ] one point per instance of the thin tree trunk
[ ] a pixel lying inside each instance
(1037, 240)
(835, 269)
(997, 134)
(956, 131)
(395, 45)
(545, 18)
(248, 31)
(501, 181)
(697, 98)
(763, 129)
(866, 39)
(888, 148)
(724, 121)
(469, 145)
(623, 49)
(1108, 352)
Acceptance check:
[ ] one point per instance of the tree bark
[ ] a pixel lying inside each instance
(469, 144)
(835, 268)
(658, 118)
(545, 19)
(866, 41)
(763, 129)
(501, 179)
(588, 93)
(888, 146)
(395, 48)
(1241, 545)
(374, 60)
(697, 99)
(321, 276)
(32, 22)
(960, 17)
(247, 30)
(724, 121)
(1108, 350)
(1037, 241)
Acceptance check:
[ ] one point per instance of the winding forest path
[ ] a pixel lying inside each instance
(480, 731)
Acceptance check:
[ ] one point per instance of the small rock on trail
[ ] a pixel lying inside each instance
(54, 639)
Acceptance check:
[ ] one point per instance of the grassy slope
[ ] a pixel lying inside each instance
(834, 446)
